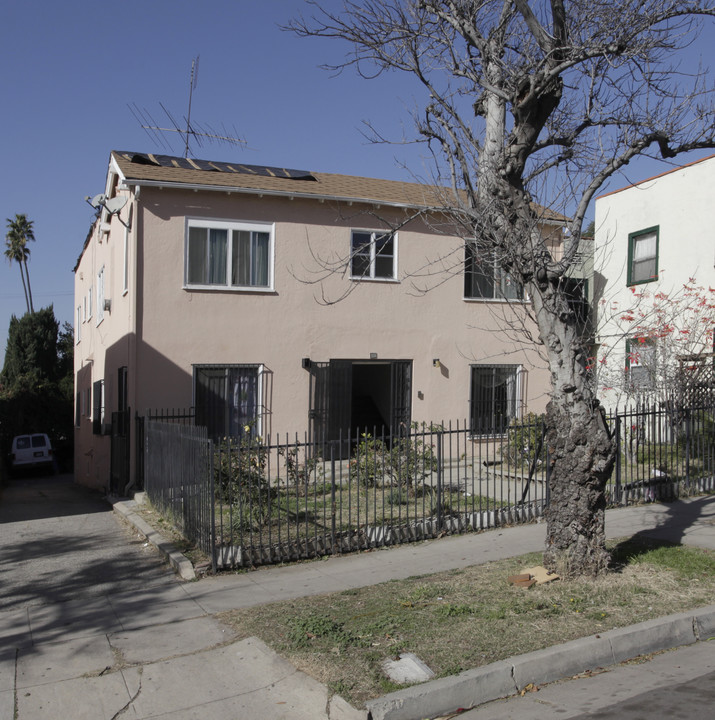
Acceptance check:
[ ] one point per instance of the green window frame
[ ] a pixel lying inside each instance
(643, 247)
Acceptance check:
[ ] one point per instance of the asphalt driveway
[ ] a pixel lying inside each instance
(60, 541)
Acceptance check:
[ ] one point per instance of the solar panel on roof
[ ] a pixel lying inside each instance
(213, 166)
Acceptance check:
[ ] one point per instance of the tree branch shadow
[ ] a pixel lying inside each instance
(679, 516)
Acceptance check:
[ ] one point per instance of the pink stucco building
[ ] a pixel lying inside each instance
(288, 301)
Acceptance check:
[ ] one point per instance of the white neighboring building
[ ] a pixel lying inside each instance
(653, 241)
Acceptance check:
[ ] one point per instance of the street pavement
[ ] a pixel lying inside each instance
(677, 684)
(83, 636)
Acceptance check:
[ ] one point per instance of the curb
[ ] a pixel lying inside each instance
(507, 677)
(181, 565)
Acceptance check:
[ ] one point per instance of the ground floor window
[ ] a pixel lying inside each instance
(642, 364)
(227, 399)
(494, 398)
(98, 407)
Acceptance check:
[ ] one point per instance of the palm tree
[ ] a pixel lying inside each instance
(19, 232)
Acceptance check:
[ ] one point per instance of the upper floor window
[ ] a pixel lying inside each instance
(373, 255)
(484, 279)
(643, 256)
(229, 255)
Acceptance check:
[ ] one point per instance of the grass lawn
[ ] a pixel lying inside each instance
(463, 619)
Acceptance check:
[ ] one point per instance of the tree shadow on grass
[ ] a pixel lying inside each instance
(671, 529)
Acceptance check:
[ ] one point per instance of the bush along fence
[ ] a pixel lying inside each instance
(248, 501)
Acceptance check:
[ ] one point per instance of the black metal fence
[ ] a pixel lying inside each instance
(250, 501)
(663, 453)
(179, 479)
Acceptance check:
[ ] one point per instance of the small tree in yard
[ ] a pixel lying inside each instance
(542, 102)
(669, 354)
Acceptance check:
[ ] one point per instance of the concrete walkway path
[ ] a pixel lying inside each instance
(148, 646)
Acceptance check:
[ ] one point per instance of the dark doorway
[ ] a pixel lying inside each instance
(371, 398)
(348, 397)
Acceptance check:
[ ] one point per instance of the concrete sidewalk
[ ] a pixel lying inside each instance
(157, 652)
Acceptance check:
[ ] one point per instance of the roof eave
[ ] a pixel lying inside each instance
(126, 182)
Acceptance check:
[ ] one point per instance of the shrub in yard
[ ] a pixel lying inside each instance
(404, 460)
(240, 480)
(412, 459)
(298, 473)
(525, 441)
(369, 460)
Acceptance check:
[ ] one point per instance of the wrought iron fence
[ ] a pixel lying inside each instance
(290, 499)
(259, 501)
(663, 453)
(178, 478)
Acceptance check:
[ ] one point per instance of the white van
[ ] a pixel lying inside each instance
(31, 451)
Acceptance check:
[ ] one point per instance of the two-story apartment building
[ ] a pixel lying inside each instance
(655, 254)
(288, 302)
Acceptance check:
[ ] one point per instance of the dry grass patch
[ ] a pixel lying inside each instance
(462, 619)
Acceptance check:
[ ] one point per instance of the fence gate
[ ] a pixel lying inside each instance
(119, 459)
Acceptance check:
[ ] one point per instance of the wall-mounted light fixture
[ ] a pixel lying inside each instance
(436, 363)
(373, 356)
(306, 363)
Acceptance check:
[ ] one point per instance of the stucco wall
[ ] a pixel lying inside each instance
(681, 204)
(160, 329)
(302, 318)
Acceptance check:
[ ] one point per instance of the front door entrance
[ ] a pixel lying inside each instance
(350, 397)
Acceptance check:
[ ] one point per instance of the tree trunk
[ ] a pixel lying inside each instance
(580, 446)
(29, 290)
(581, 455)
(24, 286)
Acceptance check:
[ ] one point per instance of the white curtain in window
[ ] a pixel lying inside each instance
(644, 247)
(259, 275)
(217, 256)
(197, 274)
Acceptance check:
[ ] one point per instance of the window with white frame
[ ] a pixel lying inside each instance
(98, 407)
(643, 256)
(89, 303)
(230, 255)
(485, 280)
(78, 326)
(373, 255)
(100, 296)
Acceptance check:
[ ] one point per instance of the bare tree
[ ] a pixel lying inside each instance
(540, 102)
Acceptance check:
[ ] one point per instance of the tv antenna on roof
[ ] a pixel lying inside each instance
(199, 133)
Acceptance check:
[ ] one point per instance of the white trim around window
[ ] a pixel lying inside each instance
(373, 255)
(228, 255)
(100, 295)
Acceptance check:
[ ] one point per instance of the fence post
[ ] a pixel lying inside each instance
(617, 492)
(332, 496)
(688, 433)
(212, 505)
(440, 441)
(547, 498)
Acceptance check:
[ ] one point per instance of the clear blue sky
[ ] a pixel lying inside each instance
(71, 68)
